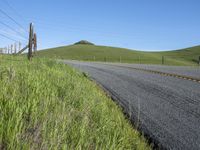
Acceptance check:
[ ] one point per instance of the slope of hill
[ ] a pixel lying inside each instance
(187, 56)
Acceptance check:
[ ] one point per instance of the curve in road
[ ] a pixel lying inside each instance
(165, 108)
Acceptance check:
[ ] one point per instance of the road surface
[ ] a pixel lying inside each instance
(166, 109)
(189, 71)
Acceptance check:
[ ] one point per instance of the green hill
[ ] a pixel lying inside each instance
(86, 52)
(84, 42)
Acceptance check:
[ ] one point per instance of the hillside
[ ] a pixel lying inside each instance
(187, 56)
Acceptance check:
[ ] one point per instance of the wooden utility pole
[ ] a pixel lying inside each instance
(30, 45)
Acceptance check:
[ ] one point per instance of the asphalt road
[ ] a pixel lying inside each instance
(180, 70)
(167, 109)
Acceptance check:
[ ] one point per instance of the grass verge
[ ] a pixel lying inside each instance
(47, 105)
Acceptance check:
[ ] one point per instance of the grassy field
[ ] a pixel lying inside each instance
(47, 105)
(187, 56)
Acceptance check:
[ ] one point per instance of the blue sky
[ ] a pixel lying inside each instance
(136, 24)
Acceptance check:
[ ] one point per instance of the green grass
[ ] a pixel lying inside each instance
(111, 54)
(47, 105)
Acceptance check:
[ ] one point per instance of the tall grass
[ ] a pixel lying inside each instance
(47, 105)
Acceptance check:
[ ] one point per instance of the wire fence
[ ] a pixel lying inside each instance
(162, 60)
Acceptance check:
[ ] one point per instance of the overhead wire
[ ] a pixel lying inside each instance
(8, 37)
(13, 9)
(11, 28)
(14, 37)
(18, 33)
(11, 18)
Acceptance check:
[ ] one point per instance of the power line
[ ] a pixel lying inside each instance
(8, 37)
(3, 12)
(13, 9)
(13, 35)
(13, 29)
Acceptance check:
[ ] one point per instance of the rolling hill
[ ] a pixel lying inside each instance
(86, 52)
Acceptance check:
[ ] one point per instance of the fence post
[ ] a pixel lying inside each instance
(163, 60)
(94, 58)
(19, 46)
(105, 59)
(139, 58)
(30, 45)
(11, 48)
(8, 49)
(120, 59)
(199, 60)
(15, 48)
(35, 43)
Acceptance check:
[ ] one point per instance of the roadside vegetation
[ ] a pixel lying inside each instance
(48, 105)
(88, 52)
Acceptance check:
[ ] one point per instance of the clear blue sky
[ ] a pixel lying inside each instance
(136, 24)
